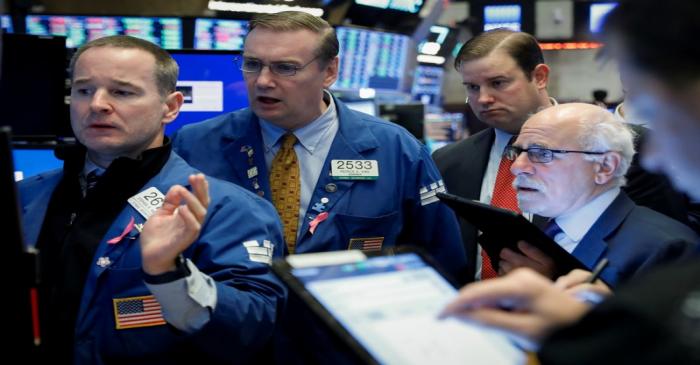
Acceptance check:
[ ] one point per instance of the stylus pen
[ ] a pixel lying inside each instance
(597, 270)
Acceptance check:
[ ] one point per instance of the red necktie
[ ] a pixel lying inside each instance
(504, 196)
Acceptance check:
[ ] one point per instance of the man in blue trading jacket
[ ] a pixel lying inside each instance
(124, 281)
(353, 181)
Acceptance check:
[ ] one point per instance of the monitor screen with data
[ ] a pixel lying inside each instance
(6, 23)
(163, 31)
(224, 34)
(371, 59)
(503, 16)
(386, 308)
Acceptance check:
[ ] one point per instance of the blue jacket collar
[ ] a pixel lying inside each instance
(354, 130)
(594, 244)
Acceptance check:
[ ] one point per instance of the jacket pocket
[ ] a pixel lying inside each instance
(358, 232)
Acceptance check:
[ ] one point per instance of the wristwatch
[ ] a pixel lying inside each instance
(181, 271)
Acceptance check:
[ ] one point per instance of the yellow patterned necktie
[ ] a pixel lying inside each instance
(285, 186)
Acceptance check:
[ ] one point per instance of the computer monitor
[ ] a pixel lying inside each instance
(6, 23)
(427, 85)
(163, 31)
(410, 6)
(15, 265)
(372, 59)
(503, 16)
(212, 84)
(224, 34)
(443, 128)
(33, 86)
(31, 160)
(410, 116)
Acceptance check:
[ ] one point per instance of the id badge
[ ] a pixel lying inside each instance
(147, 201)
(354, 169)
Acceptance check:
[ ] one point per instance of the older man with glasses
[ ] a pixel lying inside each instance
(569, 163)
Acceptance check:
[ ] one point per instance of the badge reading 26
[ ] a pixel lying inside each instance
(354, 169)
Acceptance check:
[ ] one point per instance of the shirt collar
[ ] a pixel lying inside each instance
(310, 135)
(576, 224)
(91, 166)
(501, 141)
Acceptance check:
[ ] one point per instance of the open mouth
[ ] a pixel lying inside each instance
(268, 100)
(525, 189)
(101, 126)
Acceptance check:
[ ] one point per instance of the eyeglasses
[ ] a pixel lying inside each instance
(539, 154)
(252, 65)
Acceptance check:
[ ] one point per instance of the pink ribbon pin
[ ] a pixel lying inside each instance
(319, 218)
(126, 231)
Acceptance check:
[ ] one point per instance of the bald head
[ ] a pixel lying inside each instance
(591, 152)
(591, 128)
(571, 115)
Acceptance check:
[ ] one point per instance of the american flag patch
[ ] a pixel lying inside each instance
(427, 193)
(137, 312)
(366, 244)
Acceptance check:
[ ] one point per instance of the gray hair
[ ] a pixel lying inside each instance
(602, 132)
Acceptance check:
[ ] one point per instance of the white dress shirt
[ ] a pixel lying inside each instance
(576, 224)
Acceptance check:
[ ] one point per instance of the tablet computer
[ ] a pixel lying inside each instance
(501, 228)
(385, 308)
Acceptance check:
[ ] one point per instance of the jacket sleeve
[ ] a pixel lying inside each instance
(429, 223)
(241, 236)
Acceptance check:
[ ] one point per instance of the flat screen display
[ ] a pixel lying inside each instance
(442, 129)
(503, 16)
(427, 84)
(165, 32)
(224, 34)
(6, 23)
(212, 84)
(32, 161)
(410, 6)
(371, 59)
(35, 106)
(390, 305)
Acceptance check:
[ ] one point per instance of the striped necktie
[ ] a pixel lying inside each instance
(91, 180)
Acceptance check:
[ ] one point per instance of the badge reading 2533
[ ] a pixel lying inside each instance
(354, 169)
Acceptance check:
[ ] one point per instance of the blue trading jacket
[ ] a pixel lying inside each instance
(248, 295)
(399, 207)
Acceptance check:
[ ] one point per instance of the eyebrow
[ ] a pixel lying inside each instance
(279, 61)
(87, 80)
(488, 79)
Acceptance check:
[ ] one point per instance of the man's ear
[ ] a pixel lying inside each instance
(331, 72)
(541, 75)
(171, 106)
(606, 167)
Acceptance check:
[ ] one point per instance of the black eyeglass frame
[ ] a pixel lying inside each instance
(273, 66)
(512, 152)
